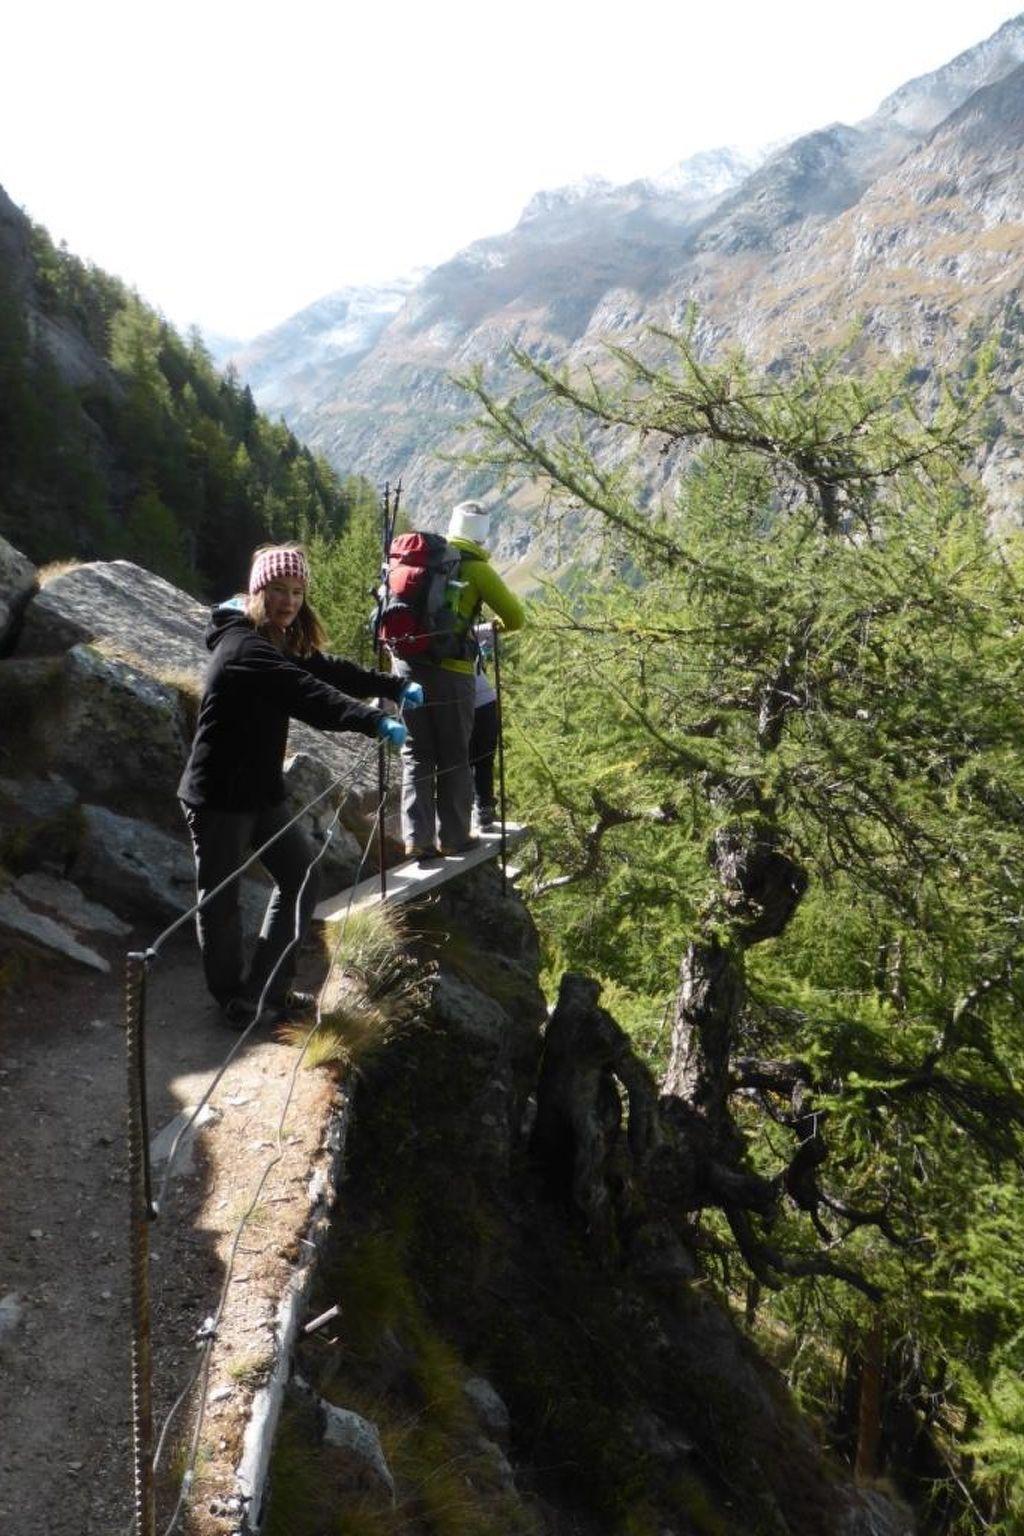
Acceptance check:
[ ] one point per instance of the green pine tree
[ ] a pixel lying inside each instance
(772, 755)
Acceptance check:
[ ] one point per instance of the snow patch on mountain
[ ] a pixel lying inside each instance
(558, 199)
(921, 104)
(709, 174)
(324, 340)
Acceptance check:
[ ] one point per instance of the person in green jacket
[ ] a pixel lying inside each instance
(437, 780)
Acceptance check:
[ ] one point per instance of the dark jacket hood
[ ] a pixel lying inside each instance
(225, 619)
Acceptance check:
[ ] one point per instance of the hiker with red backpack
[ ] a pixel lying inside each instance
(433, 596)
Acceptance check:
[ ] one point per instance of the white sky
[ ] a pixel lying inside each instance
(236, 159)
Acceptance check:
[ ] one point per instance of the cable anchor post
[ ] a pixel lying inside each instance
(141, 1212)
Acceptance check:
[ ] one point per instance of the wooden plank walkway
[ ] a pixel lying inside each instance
(408, 881)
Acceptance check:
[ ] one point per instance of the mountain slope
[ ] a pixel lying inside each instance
(324, 341)
(911, 221)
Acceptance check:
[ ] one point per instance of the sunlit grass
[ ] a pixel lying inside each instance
(371, 939)
(50, 572)
(369, 990)
(249, 1369)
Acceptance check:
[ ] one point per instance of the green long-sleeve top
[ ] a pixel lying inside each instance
(483, 585)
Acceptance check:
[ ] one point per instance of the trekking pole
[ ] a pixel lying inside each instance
(501, 764)
(382, 764)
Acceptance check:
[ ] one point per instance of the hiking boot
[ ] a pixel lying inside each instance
(293, 1003)
(421, 854)
(466, 847)
(238, 1013)
(487, 818)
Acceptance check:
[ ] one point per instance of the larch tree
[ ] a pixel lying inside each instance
(771, 747)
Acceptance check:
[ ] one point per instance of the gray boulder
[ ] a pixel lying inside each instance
(38, 799)
(28, 689)
(24, 928)
(359, 1452)
(140, 616)
(17, 583)
(135, 867)
(115, 732)
(305, 777)
(121, 602)
(39, 822)
(66, 901)
(468, 1011)
(350, 758)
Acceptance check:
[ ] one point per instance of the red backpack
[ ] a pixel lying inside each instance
(416, 603)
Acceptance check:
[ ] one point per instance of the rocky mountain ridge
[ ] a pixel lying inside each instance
(911, 222)
(326, 339)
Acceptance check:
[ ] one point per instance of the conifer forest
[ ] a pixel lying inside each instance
(157, 457)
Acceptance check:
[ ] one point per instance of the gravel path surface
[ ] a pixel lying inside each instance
(65, 1449)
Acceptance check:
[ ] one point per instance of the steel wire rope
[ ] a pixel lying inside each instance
(152, 953)
(261, 1002)
(211, 1324)
(197, 906)
(210, 1327)
(201, 1373)
(208, 1331)
(145, 959)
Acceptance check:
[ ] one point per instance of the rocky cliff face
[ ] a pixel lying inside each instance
(77, 363)
(911, 221)
(921, 104)
(526, 1349)
(100, 671)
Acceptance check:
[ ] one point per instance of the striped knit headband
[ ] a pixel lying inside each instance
(278, 565)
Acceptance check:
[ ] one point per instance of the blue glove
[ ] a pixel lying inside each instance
(391, 731)
(412, 695)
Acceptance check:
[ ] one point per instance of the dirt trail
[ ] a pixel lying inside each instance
(65, 1458)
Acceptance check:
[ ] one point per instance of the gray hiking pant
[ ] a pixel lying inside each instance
(221, 840)
(437, 783)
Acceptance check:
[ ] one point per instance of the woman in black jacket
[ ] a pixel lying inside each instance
(266, 667)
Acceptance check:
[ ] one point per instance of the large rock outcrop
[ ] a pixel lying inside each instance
(17, 583)
(556, 1349)
(98, 697)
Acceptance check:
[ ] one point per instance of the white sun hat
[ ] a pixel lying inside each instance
(469, 520)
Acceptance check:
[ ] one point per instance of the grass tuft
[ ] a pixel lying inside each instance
(354, 1026)
(54, 568)
(250, 1369)
(372, 939)
(370, 990)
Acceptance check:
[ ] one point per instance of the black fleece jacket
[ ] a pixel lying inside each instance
(250, 692)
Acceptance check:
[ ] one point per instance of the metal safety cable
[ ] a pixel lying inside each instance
(142, 1350)
(212, 1325)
